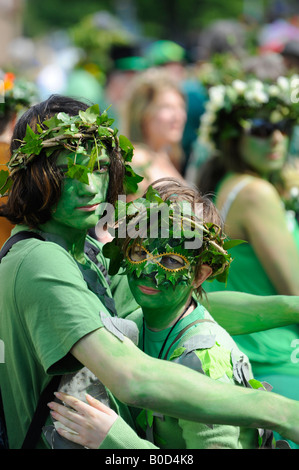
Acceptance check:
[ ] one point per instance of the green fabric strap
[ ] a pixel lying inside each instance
(181, 334)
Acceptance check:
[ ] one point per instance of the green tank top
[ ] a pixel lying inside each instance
(270, 352)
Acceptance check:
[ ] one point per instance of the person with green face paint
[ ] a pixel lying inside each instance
(57, 311)
(248, 125)
(165, 278)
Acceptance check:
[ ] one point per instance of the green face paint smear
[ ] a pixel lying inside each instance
(264, 155)
(160, 277)
(82, 204)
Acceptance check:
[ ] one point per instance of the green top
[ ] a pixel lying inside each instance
(218, 356)
(269, 351)
(46, 307)
(213, 352)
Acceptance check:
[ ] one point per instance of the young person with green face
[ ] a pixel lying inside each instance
(56, 301)
(165, 278)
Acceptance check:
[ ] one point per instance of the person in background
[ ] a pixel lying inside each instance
(127, 62)
(15, 96)
(248, 125)
(153, 119)
(175, 60)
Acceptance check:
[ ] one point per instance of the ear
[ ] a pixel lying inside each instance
(205, 272)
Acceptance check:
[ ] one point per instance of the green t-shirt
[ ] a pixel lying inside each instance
(46, 307)
(217, 356)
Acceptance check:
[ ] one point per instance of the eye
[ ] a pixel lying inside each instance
(101, 168)
(137, 254)
(172, 262)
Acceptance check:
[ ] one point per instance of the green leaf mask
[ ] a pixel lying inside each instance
(210, 248)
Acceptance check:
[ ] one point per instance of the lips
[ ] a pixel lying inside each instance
(88, 208)
(274, 156)
(148, 290)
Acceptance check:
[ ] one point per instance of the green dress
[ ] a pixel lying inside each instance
(272, 352)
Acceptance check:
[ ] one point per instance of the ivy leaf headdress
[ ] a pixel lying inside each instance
(71, 132)
(212, 247)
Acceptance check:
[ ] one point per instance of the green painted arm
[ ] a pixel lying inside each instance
(139, 380)
(241, 313)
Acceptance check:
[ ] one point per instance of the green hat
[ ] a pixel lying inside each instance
(163, 52)
(134, 64)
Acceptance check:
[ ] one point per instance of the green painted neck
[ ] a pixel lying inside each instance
(157, 319)
(74, 238)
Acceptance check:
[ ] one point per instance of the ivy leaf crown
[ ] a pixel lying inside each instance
(65, 132)
(213, 242)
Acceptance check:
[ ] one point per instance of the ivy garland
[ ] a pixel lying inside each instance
(213, 250)
(66, 132)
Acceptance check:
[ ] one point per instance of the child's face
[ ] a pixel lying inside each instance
(160, 277)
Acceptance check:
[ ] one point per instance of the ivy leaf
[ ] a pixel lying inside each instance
(127, 148)
(113, 252)
(159, 277)
(103, 117)
(232, 243)
(78, 172)
(91, 114)
(223, 276)
(153, 196)
(256, 384)
(131, 180)
(65, 118)
(33, 143)
(52, 122)
(5, 182)
(103, 131)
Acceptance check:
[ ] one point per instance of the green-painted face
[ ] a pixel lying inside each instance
(81, 205)
(160, 278)
(265, 155)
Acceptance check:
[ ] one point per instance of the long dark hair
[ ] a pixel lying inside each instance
(37, 189)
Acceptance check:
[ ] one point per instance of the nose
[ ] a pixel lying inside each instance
(277, 136)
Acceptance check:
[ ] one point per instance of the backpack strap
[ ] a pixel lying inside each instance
(92, 251)
(3, 431)
(40, 415)
(24, 234)
(181, 333)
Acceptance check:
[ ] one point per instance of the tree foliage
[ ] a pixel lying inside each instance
(171, 19)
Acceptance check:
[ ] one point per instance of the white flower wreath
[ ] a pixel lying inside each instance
(228, 105)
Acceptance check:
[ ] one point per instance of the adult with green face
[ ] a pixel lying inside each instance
(249, 125)
(56, 315)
